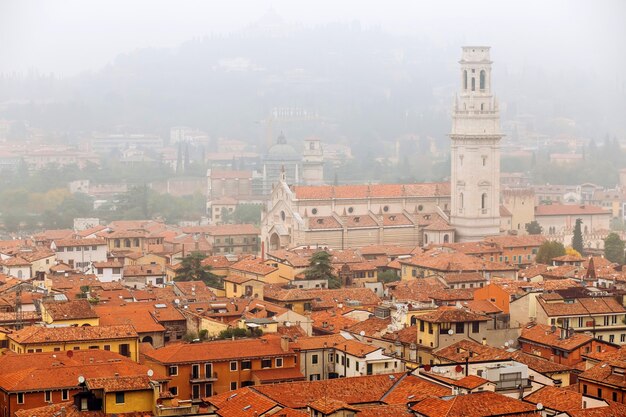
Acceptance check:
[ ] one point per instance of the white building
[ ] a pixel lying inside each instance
(80, 253)
(108, 271)
(475, 152)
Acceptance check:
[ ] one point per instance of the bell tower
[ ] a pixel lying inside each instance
(475, 150)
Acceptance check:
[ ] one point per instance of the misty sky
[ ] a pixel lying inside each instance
(70, 36)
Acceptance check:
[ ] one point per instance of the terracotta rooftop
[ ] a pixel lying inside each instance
(582, 306)
(604, 373)
(327, 405)
(542, 334)
(70, 310)
(568, 210)
(374, 191)
(253, 265)
(477, 352)
(219, 350)
(452, 315)
(37, 335)
(411, 389)
(39, 371)
(119, 383)
(557, 399)
(446, 261)
(60, 243)
(481, 404)
(354, 390)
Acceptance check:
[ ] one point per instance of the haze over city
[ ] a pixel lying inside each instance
(338, 209)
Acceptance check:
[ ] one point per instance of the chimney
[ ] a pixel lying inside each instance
(63, 412)
(284, 343)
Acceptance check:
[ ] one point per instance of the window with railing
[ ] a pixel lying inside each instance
(511, 380)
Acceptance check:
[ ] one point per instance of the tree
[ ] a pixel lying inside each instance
(320, 268)
(614, 248)
(244, 214)
(534, 228)
(548, 250)
(572, 252)
(577, 239)
(191, 269)
(388, 276)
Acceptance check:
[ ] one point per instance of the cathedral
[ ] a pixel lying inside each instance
(351, 216)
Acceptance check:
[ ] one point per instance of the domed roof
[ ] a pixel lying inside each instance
(281, 151)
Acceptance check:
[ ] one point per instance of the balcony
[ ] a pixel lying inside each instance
(197, 378)
(513, 384)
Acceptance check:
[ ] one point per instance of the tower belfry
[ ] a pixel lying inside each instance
(475, 150)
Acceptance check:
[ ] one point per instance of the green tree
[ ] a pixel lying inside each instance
(191, 269)
(614, 248)
(388, 276)
(577, 239)
(320, 268)
(244, 214)
(549, 250)
(534, 228)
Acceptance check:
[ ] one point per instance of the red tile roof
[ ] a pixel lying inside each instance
(70, 310)
(568, 210)
(219, 350)
(557, 399)
(481, 404)
(375, 190)
(37, 335)
(354, 390)
(543, 335)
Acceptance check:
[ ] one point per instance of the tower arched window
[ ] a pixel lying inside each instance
(483, 201)
(446, 238)
(473, 83)
(461, 201)
(482, 80)
(465, 79)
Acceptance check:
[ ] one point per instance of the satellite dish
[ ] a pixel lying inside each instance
(506, 344)
(362, 333)
(287, 324)
(70, 353)
(450, 332)
(177, 301)
(81, 379)
(511, 342)
(436, 369)
(150, 372)
(539, 406)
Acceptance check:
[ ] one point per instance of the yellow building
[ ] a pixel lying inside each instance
(4, 339)
(257, 269)
(69, 313)
(238, 286)
(122, 339)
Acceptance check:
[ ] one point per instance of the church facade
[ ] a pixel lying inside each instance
(351, 216)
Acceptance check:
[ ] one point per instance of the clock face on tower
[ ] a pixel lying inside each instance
(475, 149)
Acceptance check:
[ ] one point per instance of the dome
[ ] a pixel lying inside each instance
(281, 151)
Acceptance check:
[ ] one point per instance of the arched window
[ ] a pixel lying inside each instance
(482, 79)
(446, 238)
(482, 106)
(483, 201)
(127, 243)
(20, 273)
(465, 80)
(425, 239)
(473, 83)
(461, 201)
